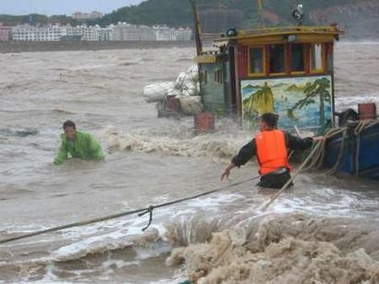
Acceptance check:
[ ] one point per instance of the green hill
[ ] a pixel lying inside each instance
(177, 13)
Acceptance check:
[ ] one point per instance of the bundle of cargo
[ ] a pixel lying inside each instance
(179, 97)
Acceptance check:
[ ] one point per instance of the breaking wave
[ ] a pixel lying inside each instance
(178, 139)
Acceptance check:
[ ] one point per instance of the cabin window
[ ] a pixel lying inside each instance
(277, 58)
(316, 57)
(203, 77)
(297, 58)
(256, 56)
(218, 76)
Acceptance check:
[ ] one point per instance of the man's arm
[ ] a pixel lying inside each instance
(297, 143)
(62, 154)
(244, 155)
(94, 148)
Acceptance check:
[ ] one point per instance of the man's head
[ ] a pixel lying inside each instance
(69, 129)
(268, 121)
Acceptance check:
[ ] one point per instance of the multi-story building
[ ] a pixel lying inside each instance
(128, 32)
(31, 33)
(95, 15)
(184, 34)
(164, 33)
(81, 16)
(105, 34)
(5, 33)
(120, 32)
(85, 33)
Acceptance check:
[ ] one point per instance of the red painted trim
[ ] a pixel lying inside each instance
(242, 61)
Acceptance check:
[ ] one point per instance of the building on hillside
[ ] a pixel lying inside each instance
(5, 32)
(95, 15)
(128, 32)
(81, 16)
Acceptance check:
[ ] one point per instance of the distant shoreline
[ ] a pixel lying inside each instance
(51, 46)
(20, 46)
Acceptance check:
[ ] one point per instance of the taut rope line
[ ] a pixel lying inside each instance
(141, 212)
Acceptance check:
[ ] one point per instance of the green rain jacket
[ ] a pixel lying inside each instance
(84, 147)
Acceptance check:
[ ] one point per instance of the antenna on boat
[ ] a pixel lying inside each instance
(260, 12)
(199, 46)
(298, 13)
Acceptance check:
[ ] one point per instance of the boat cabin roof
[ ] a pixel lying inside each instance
(274, 35)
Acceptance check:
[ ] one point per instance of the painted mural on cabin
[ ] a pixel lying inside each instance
(305, 102)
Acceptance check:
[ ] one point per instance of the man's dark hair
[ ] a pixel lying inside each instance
(270, 119)
(69, 123)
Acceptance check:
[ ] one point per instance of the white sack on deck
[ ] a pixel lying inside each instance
(193, 73)
(190, 90)
(180, 80)
(157, 92)
(190, 105)
(173, 93)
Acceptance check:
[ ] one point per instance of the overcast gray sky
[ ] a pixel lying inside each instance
(61, 7)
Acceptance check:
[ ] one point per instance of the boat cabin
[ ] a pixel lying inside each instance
(288, 71)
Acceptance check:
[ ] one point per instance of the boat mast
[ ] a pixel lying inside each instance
(199, 47)
(260, 12)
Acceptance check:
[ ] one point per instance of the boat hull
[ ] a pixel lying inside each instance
(355, 152)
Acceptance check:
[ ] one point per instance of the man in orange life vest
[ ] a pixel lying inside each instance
(270, 145)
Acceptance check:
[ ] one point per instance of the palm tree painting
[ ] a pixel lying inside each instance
(320, 88)
(260, 101)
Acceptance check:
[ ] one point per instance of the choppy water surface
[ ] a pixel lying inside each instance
(321, 220)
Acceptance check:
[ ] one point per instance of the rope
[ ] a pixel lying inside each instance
(141, 212)
(341, 151)
(284, 187)
(316, 161)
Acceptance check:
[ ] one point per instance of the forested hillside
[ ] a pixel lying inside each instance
(359, 18)
(178, 12)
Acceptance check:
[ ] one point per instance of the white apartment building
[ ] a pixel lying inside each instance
(31, 33)
(120, 32)
(54, 33)
(128, 32)
(86, 33)
(164, 33)
(106, 34)
(183, 34)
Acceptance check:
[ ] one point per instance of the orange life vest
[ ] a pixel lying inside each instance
(271, 151)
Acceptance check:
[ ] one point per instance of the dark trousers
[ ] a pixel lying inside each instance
(275, 179)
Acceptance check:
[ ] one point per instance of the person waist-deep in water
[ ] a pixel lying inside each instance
(270, 146)
(77, 144)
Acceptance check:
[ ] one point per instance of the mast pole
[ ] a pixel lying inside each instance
(196, 19)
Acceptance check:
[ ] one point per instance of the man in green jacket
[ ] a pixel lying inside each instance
(77, 144)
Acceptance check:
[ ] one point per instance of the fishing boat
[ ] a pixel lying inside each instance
(289, 71)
